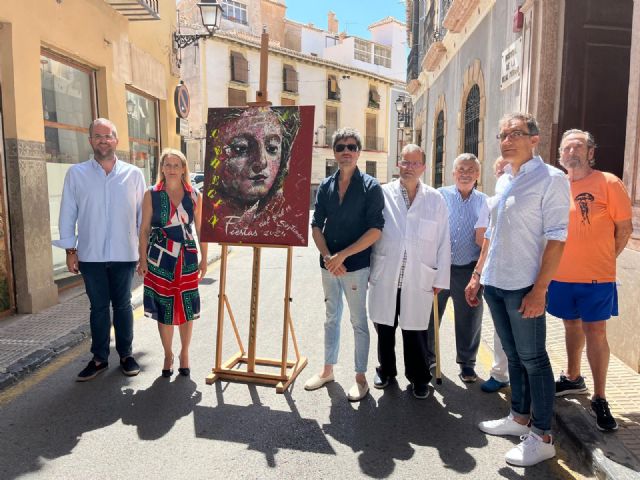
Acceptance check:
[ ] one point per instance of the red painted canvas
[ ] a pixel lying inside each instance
(258, 175)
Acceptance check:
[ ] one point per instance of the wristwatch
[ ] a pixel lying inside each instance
(476, 272)
(71, 251)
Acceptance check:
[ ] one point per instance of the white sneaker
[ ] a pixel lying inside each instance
(358, 392)
(317, 381)
(530, 451)
(504, 426)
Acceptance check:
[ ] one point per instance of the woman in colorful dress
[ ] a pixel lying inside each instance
(169, 257)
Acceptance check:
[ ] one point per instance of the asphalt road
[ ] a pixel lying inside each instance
(147, 426)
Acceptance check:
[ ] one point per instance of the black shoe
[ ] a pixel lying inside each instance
(185, 372)
(167, 373)
(129, 366)
(468, 375)
(564, 386)
(91, 371)
(420, 390)
(380, 381)
(604, 419)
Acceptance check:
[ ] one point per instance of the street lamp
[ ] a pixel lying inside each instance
(211, 16)
(404, 107)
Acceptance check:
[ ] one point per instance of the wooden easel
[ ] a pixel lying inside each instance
(227, 371)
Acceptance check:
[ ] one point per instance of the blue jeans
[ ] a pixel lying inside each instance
(523, 340)
(354, 287)
(109, 283)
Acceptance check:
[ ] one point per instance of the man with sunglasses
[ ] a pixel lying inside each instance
(103, 198)
(519, 257)
(409, 265)
(347, 220)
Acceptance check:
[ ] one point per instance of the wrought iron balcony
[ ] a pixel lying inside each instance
(458, 13)
(435, 51)
(413, 65)
(136, 10)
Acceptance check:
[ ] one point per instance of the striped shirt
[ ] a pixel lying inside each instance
(465, 216)
(407, 202)
(533, 207)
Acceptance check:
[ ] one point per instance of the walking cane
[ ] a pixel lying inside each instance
(436, 331)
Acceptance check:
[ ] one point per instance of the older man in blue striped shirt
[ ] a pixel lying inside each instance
(468, 220)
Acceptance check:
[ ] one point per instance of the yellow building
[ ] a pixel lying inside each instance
(64, 63)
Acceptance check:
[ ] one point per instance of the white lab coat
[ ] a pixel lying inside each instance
(423, 231)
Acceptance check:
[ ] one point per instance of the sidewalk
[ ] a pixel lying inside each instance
(612, 455)
(29, 341)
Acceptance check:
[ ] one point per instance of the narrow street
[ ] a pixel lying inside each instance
(152, 427)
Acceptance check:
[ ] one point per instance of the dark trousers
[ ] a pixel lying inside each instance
(468, 320)
(109, 283)
(414, 344)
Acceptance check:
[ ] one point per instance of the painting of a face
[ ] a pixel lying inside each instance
(251, 155)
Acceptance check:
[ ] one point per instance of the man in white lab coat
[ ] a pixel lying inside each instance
(410, 263)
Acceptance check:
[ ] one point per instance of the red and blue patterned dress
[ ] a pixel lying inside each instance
(171, 285)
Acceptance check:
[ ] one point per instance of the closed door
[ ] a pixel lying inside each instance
(595, 75)
(6, 277)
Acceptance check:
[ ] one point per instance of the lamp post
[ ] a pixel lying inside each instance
(404, 107)
(210, 16)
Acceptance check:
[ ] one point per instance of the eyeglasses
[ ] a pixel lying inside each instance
(514, 135)
(352, 147)
(108, 136)
(406, 164)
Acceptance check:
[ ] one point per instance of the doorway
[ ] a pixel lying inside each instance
(7, 299)
(595, 76)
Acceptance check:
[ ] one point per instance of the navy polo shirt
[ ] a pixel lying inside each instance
(344, 223)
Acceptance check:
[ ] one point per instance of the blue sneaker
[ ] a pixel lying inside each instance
(492, 385)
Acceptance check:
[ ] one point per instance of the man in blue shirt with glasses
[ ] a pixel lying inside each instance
(103, 198)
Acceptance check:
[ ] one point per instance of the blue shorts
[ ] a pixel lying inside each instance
(590, 302)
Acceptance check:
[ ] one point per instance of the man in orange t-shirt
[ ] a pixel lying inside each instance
(583, 292)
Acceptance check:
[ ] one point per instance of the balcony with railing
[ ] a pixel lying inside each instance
(433, 47)
(457, 13)
(374, 143)
(136, 10)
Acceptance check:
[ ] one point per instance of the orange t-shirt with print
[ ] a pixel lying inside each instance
(597, 201)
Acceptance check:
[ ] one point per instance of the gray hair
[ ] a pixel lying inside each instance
(466, 157)
(591, 141)
(530, 120)
(345, 133)
(412, 147)
(103, 121)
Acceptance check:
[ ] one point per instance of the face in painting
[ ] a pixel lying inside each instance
(251, 155)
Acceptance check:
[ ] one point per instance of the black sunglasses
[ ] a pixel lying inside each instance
(341, 146)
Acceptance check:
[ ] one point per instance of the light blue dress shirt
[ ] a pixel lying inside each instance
(464, 217)
(530, 208)
(107, 210)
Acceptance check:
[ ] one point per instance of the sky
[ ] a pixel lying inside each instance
(354, 16)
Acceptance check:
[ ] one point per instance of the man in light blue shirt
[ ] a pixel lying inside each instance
(103, 198)
(468, 221)
(523, 247)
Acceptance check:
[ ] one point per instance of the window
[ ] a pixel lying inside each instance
(333, 90)
(284, 101)
(382, 56)
(143, 134)
(68, 107)
(362, 50)
(374, 97)
(237, 98)
(289, 79)
(331, 122)
(472, 120)
(239, 68)
(370, 168)
(438, 167)
(371, 140)
(234, 11)
(330, 167)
